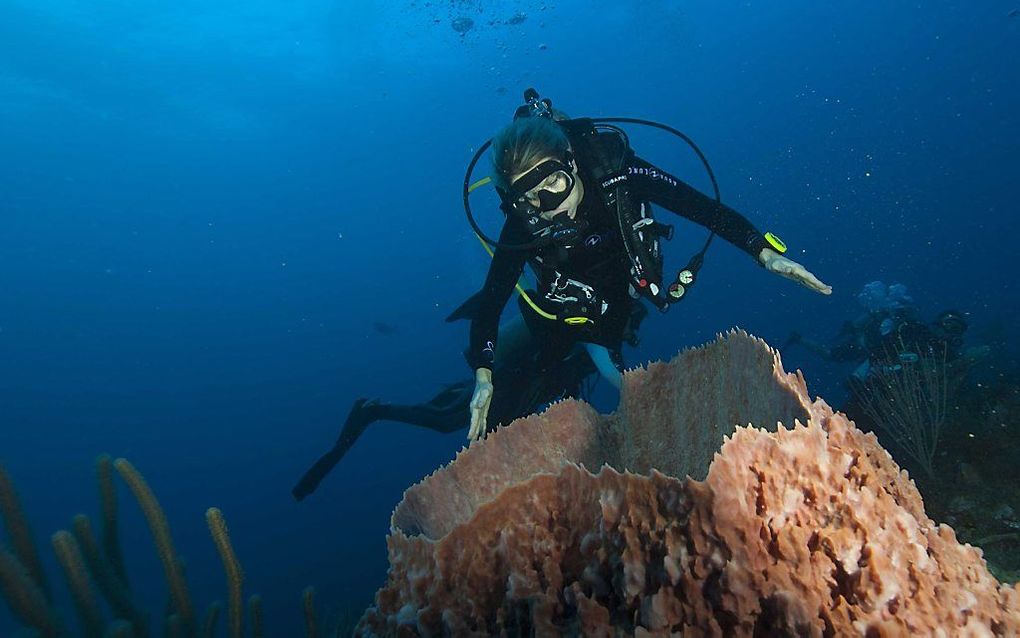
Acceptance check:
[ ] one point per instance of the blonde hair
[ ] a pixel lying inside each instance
(521, 144)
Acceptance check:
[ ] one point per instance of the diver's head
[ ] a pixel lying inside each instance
(534, 166)
(951, 323)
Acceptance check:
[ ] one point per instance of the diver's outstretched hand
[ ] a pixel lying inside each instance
(480, 402)
(774, 262)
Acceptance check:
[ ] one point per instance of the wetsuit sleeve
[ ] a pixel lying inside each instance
(659, 187)
(504, 271)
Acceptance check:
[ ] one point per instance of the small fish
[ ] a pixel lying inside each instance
(384, 328)
(462, 25)
(1014, 13)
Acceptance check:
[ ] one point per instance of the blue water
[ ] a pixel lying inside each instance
(204, 207)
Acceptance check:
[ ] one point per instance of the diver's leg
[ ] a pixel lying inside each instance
(447, 412)
(608, 364)
(353, 427)
(447, 416)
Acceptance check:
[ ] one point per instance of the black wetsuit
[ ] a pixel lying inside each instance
(600, 261)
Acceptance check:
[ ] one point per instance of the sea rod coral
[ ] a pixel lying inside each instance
(691, 524)
(94, 564)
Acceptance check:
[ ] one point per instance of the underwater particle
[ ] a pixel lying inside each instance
(462, 24)
(517, 18)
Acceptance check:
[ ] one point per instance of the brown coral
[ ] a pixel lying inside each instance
(812, 530)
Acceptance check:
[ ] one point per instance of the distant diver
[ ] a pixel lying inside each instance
(890, 333)
(577, 205)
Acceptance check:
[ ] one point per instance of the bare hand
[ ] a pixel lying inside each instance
(774, 262)
(480, 402)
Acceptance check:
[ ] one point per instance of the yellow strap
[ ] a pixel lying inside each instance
(520, 289)
(577, 321)
(488, 249)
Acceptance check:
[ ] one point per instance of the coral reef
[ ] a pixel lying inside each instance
(807, 527)
(308, 603)
(973, 482)
(977, 484)
(235, 575)
(87, 565)
(909, 401)
(180, 598)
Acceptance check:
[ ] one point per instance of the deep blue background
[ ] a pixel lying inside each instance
(205, 206)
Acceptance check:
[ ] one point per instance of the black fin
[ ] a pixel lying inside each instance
(469, 308)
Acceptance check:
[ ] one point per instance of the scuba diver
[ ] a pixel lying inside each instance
(595, 257)
(912, 341)
(889, 333)
(577, 205)
(886, 308)
(524, 392)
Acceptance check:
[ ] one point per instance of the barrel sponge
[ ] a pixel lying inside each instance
(673, 516)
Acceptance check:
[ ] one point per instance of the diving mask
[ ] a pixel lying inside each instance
(545, 187)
